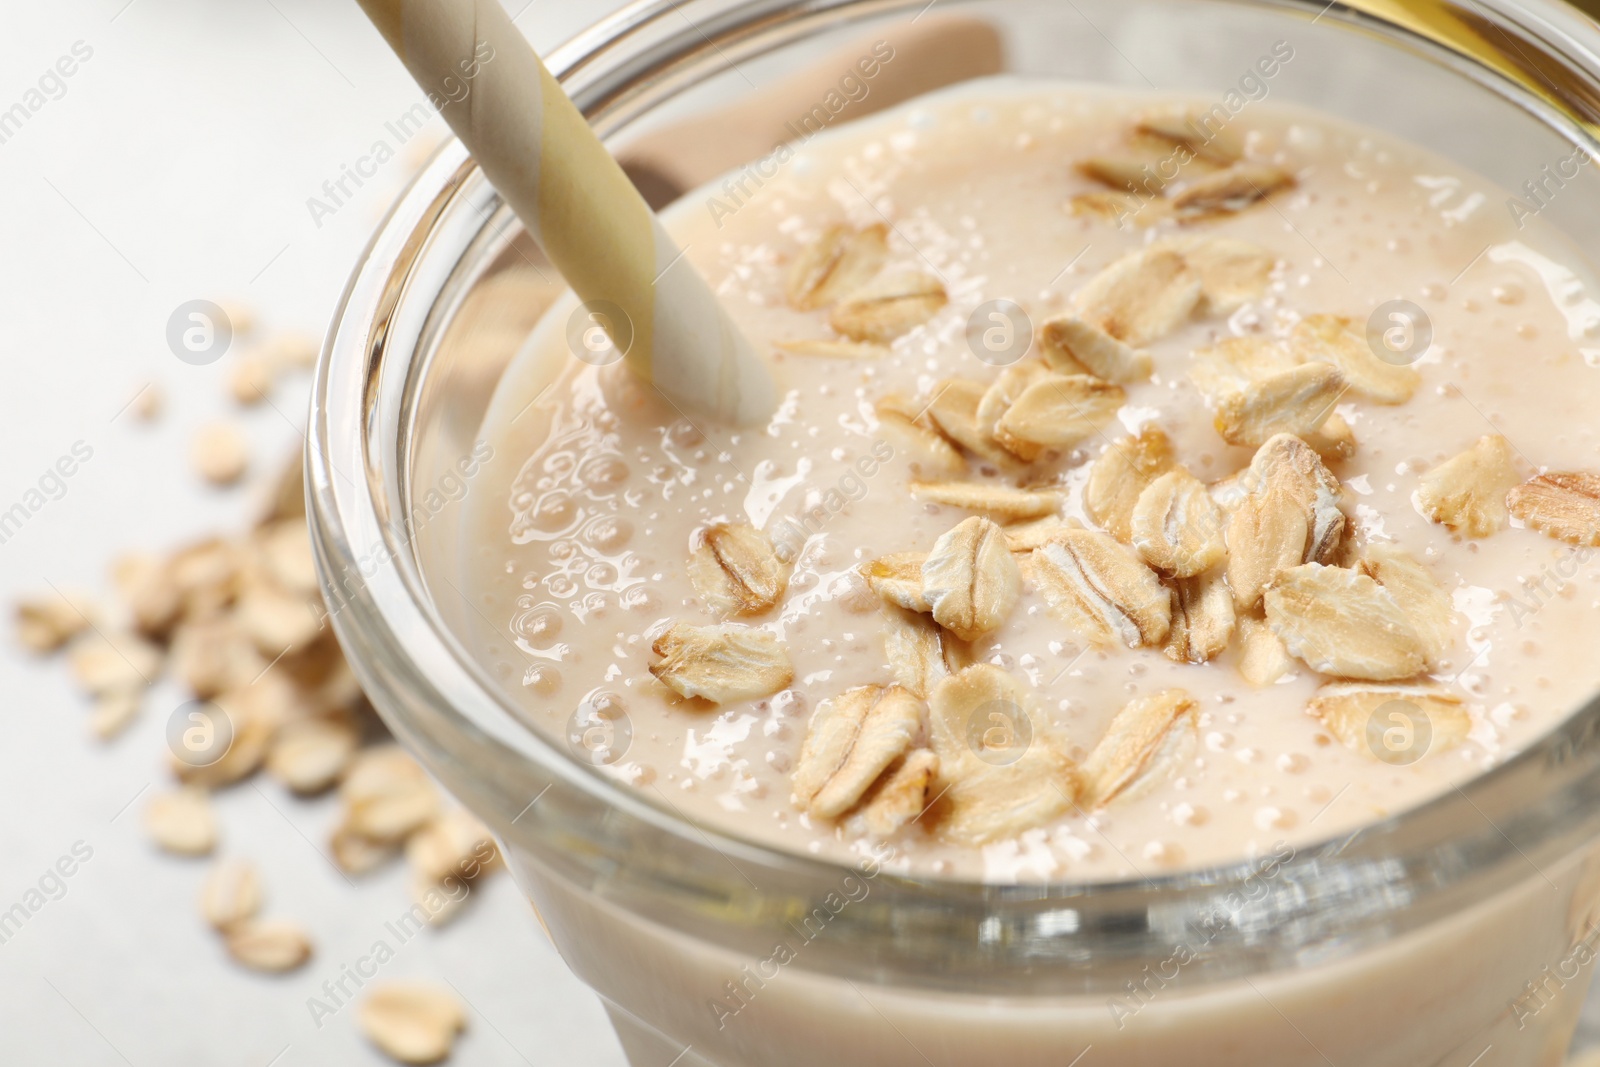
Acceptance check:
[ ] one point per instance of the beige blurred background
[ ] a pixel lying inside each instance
(176, 163)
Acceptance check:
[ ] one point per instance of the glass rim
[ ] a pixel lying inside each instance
(1487, 835)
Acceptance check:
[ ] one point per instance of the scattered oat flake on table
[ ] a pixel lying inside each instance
(114, 711)
(182, 822)
(454, 844)
(386, 794)
(50, 620)
(231, 895)
(220, 454)
(148, 403)
(272, 945)
(250, 379)
(310, 755)
(410, 1022)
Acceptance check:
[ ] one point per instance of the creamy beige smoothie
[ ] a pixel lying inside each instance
(1138, 499)
(1149, 491)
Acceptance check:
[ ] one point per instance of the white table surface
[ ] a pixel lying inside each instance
(176, 165)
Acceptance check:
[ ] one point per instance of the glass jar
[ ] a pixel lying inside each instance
(1458, 933)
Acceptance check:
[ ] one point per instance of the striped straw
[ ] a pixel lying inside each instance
(540, 154)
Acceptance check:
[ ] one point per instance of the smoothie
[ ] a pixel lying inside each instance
(1149, 491)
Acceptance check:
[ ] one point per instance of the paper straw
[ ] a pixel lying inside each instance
(541, 156)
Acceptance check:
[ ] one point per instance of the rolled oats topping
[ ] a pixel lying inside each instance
(1297, 401)
(953, 408)
(1335, 340)
(1467, 492)
(1394, 723)
(1120, 476)
(1263, 659)
(836, 264)
(1289, 516)
(1565, 506)
(998, 777)
(1101, 590)
(721, 663)
(736, 570)
(1232, 190)
(1177, 529)
(1140, 298)
(930, 453)
(970, 579)
(888, 307)
(901, 794)
(1232, 273)
(898, 579)
(852, 740)
(1058, 411)
(999, 502)
(1203, 619)
(1197, 134)
(1130, 478)
(1343, 623)
(1414, 588)
(920, 651)
(1235, 364)
(1069, 340)
(1149, 738)
(998, 399)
